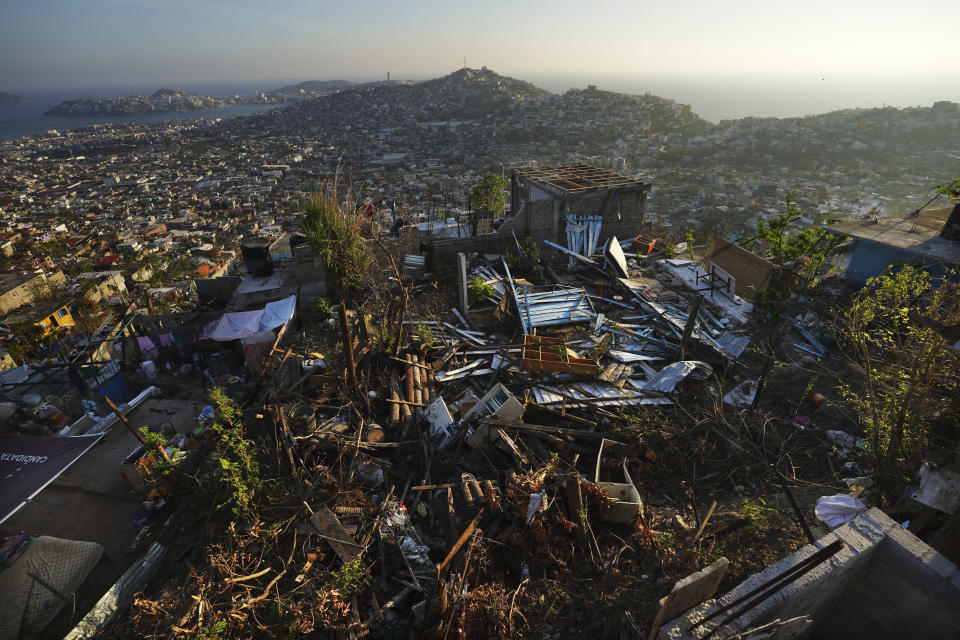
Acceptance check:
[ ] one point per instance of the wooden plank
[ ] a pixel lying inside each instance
(459, 543)
(332, 531)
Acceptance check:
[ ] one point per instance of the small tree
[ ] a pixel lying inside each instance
(805, 255)
(488, 194)
(910, 371)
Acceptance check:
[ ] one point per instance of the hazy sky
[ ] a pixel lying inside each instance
(50, 43)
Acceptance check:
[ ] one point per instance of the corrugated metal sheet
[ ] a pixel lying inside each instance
(667, 379)
(593, 394)
(583, 233)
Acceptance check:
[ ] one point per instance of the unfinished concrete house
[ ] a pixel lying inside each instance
(869, 578)
(543, 199)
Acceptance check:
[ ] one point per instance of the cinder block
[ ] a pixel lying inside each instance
(884, 576)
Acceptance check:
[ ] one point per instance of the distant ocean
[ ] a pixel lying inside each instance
(26, 119)
(717, 98)
(712, 97)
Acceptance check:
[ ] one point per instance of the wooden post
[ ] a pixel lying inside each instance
(462, 300)
(122, 418)
(691, 322)
(123, 345)
(347, 345)
(761, 382)
(199, 361)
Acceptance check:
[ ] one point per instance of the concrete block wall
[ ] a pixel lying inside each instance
(878, 555)
(546, 220)
(751, 271)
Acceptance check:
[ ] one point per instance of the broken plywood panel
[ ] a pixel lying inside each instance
(689, 592)
(333, 532)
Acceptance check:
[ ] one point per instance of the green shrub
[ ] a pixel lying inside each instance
(324, 307)
(479, 290)
(239, 469)
(336, 236)
(351, 578)
(755, 512)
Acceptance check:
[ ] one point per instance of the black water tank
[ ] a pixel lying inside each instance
(256, 256)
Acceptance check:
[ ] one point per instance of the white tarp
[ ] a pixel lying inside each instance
(838, 509)
(241, 324)
(276, 314)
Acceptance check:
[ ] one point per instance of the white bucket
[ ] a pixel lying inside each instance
(149, 369)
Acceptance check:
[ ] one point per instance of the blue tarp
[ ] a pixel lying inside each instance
(116, 389)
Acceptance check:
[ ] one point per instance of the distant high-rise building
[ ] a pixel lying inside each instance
(388, 76)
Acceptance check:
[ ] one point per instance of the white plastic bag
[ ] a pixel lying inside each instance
(836, 510)
(536, 502)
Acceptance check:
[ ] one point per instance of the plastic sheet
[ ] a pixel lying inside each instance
(839, 509)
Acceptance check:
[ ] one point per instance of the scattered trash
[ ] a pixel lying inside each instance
(838, 509)
(939, 489)
(741, 395)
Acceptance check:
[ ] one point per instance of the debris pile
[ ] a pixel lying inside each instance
(497, 471)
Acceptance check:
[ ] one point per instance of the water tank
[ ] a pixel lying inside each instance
(256, 256)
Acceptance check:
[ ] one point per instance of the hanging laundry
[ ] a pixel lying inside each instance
(146, 345)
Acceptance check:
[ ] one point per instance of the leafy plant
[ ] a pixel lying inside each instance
(527, 264)
(713, 554)
(755, 512)
(479, 290)
(214, 631)
(423, 333)
(644, 420)
(488, 194)
(950, 189)
(155, 440)
(351, 578)
(666, 541)
(805, 254)
(239, 468)
(324, 307)
(335, 234)
(691, 239)
(910, 372)
(603, 347)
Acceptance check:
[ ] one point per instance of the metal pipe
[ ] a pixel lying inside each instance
(771, 586)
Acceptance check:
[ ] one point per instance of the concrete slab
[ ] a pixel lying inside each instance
(885, 582)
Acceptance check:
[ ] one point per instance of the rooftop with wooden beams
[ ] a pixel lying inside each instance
(577, 177)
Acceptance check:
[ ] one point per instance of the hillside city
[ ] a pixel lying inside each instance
(166, 203)
(464, 358)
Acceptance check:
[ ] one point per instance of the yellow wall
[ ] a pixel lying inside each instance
(52, 322)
